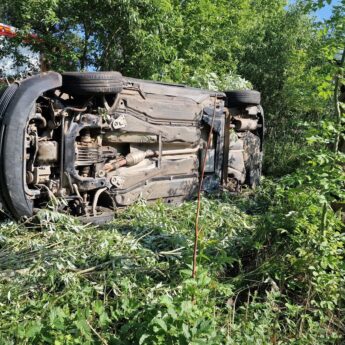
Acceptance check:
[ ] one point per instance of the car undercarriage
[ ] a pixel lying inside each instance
(91, 143)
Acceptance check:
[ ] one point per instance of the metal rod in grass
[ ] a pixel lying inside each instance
(197, 216)
(338, 111)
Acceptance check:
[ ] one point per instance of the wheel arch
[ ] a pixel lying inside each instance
(12, 178)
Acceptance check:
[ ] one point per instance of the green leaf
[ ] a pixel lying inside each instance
(33, 328)
(186, 307)
(143, 338)
(185, 330)
(83, 327)
(162, 324)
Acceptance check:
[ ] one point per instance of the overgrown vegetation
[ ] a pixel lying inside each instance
(270, 270)
(271, 263)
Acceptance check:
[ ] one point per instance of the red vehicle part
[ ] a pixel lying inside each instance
(7, 30)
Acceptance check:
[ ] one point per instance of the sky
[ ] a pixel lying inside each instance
(326, 11)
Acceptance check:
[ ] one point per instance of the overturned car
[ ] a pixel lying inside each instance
(100, 141)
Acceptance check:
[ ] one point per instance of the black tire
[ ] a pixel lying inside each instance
(244, 97)
(12, 135)
(254, 178)
(5, 97)
(91, 83)
(253, 159)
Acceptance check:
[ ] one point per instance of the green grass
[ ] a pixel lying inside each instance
(265, 275)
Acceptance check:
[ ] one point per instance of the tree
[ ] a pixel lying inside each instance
(205, 43)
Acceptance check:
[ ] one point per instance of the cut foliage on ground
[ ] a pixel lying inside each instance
(270, 270)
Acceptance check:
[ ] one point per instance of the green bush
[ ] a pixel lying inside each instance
(270, 270)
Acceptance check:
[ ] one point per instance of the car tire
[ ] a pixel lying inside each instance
(254, 177)
(91, 83)
(253, 159)
(5, 98)
(243, 97)
(13, 124)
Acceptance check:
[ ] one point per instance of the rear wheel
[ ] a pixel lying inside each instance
(91, 83)
(243, 97)
(252, 159)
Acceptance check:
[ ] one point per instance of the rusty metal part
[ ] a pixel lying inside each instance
(29, 177)
(95, 199)
(41, 174)
(245, 124)
(108, 106)
(92, 154)
(101, 173)
(183, 187)
(115, 164)
(85, 171)
(134, 158)
(173, 152)
(38, 116)
(238, 175)
(119, 122)
(75, 109)
(147, 171)
(86, 137)
(48, 151)
(76, 190)
(117, 181)
(65, 111)
(62, 148)
(253, 110)
(119, 137)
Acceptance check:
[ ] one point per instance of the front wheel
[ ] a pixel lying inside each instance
(243, 98)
